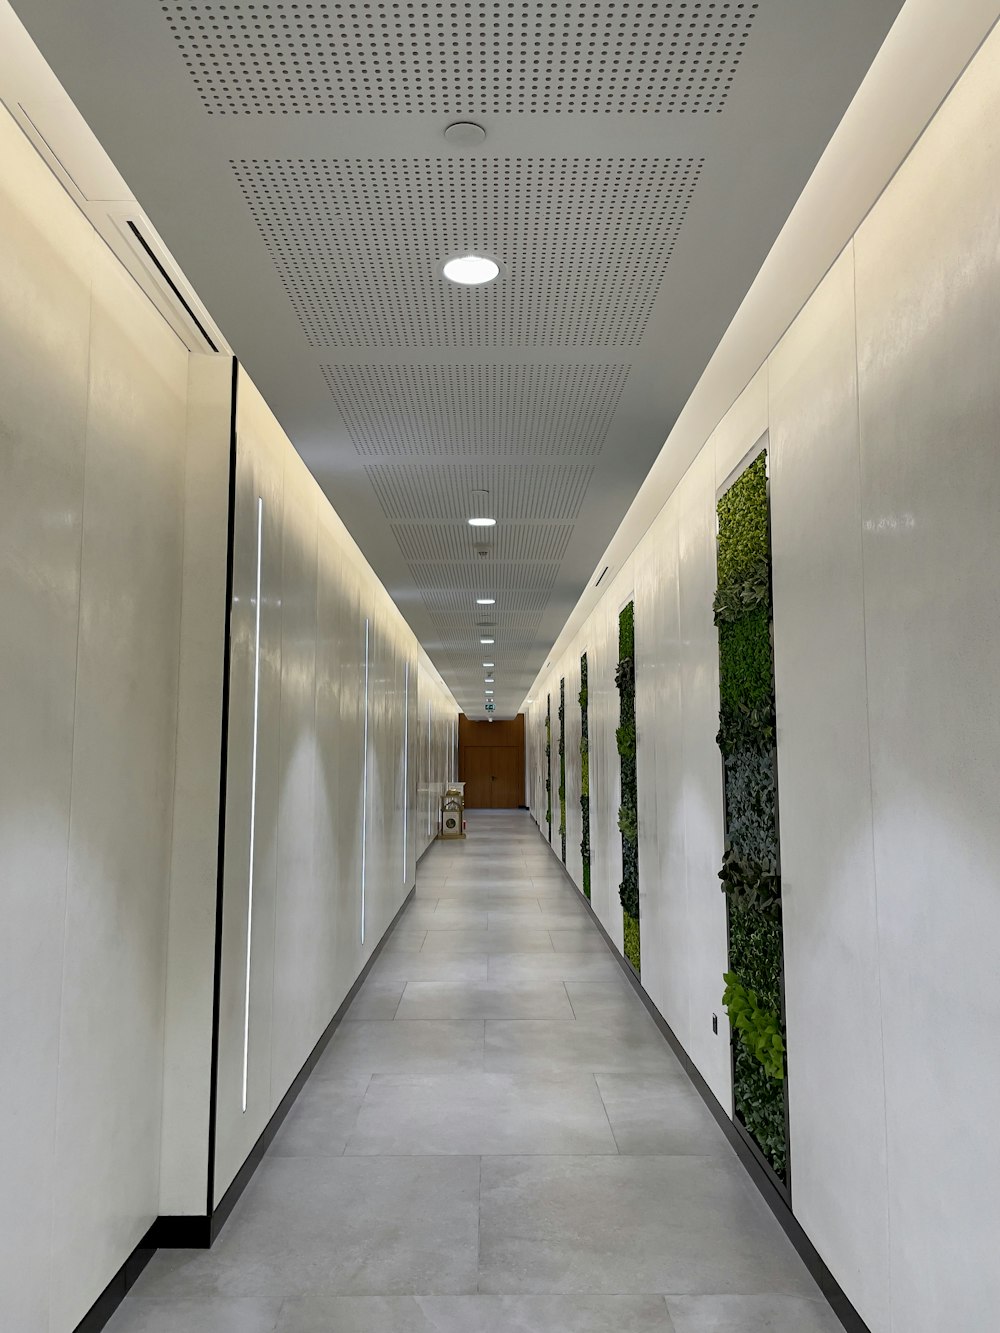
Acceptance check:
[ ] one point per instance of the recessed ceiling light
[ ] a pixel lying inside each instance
(487, 641)
(488, 680)
(471, 270)
(488, 691)
(485, 601)
(487, 665)
(482, 522)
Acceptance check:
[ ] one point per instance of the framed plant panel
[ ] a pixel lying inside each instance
(562, 766)
(751, 866)
(548, 764)
(628, 814)
(584, 776)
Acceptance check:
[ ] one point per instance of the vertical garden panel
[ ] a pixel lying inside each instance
(751, 875)
(548, 765)
(562, 767)
(628, 814)
(584, 777)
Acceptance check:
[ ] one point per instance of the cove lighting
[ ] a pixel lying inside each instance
(253, 799)
(482, 522)
(471, 270)
(364, 797)
(485, 601)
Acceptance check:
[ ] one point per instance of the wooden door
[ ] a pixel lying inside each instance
(505, 778)
(477, 773)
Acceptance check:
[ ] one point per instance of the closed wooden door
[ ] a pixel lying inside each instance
(505, 779)
(477, 771)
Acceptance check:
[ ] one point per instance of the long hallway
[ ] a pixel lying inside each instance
(496, 1139)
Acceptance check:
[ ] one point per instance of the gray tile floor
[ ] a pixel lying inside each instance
(496, 1140)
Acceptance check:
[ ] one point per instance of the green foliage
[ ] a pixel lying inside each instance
(585, 775)
(750, 874)
(631, 942)
(562, 766)
(625, 737)
(744, 544)
(746, 676)
(548, 762)
(760, 1104)
(586, 878)
(628, 815)
(759, 1029)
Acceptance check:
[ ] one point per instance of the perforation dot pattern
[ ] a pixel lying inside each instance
(584, 244)
(461, 57)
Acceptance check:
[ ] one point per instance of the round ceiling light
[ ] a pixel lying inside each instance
(482, 522)
(471, 270)
(486, 640)
(489, 691)
(488, 665)
(486, 601)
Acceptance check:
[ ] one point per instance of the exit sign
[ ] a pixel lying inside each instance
(490, 707)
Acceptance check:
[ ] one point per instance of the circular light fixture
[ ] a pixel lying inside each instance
(488, 665)
(486, 601)
(482, 522)
(488, 680)
(471, 270)
(488, 691)
(487, 641)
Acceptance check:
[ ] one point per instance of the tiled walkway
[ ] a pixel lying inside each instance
(497, 1140)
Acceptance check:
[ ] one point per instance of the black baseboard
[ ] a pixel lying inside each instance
(761, 1177)
(198, 1232)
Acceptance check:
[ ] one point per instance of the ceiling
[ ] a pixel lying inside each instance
(640, 158)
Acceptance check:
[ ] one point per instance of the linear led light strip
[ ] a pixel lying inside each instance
(253, 797)
(406, 756)
(364, 799)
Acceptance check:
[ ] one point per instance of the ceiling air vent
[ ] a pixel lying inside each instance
(149, 263)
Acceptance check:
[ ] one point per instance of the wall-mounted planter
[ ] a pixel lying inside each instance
(628, 814)
(585, 776)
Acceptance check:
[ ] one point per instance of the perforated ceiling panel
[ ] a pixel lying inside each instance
(496, 577)
(442, 492)
(583, 245)
(423, 542)
(461, 56)
(477, 409)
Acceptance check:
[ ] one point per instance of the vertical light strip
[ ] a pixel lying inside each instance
(253, 796)
(364, 805)
(406, 757)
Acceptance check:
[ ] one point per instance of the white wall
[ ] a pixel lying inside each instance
(92, 424)
(114, 466)
(881, 409)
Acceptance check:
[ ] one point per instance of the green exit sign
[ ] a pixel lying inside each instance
(490, 707)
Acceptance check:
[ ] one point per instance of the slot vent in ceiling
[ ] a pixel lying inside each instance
(477, 409)
(461, 57)
(442, 492)
(358, 244)
(425, 542)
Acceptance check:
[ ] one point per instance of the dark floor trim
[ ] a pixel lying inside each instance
(827, 1283)
(199, 1232)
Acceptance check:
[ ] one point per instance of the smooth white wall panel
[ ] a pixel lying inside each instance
(317, 837)
(93, 414)
(835, 1083)
(45, 281)
(928, 298)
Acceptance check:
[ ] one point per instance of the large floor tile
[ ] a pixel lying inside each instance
(751, 1314)
(481, 1114)
(565, 966)
(577, 941)
(505, 939)
(375, 1000)
(543, 1046)
(484, 999)
(429, 967)
(640, 1224)
(209, 1314)
(660, 1114)
(319, 1123)
(350, 1225)
(402, 1048)
(475, 1314)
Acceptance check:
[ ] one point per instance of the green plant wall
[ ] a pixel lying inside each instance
(585, 776)
(548, 764)
(628, 814)
(751, 873)
(562, 766)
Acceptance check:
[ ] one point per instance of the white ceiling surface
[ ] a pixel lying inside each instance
(640, 160)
